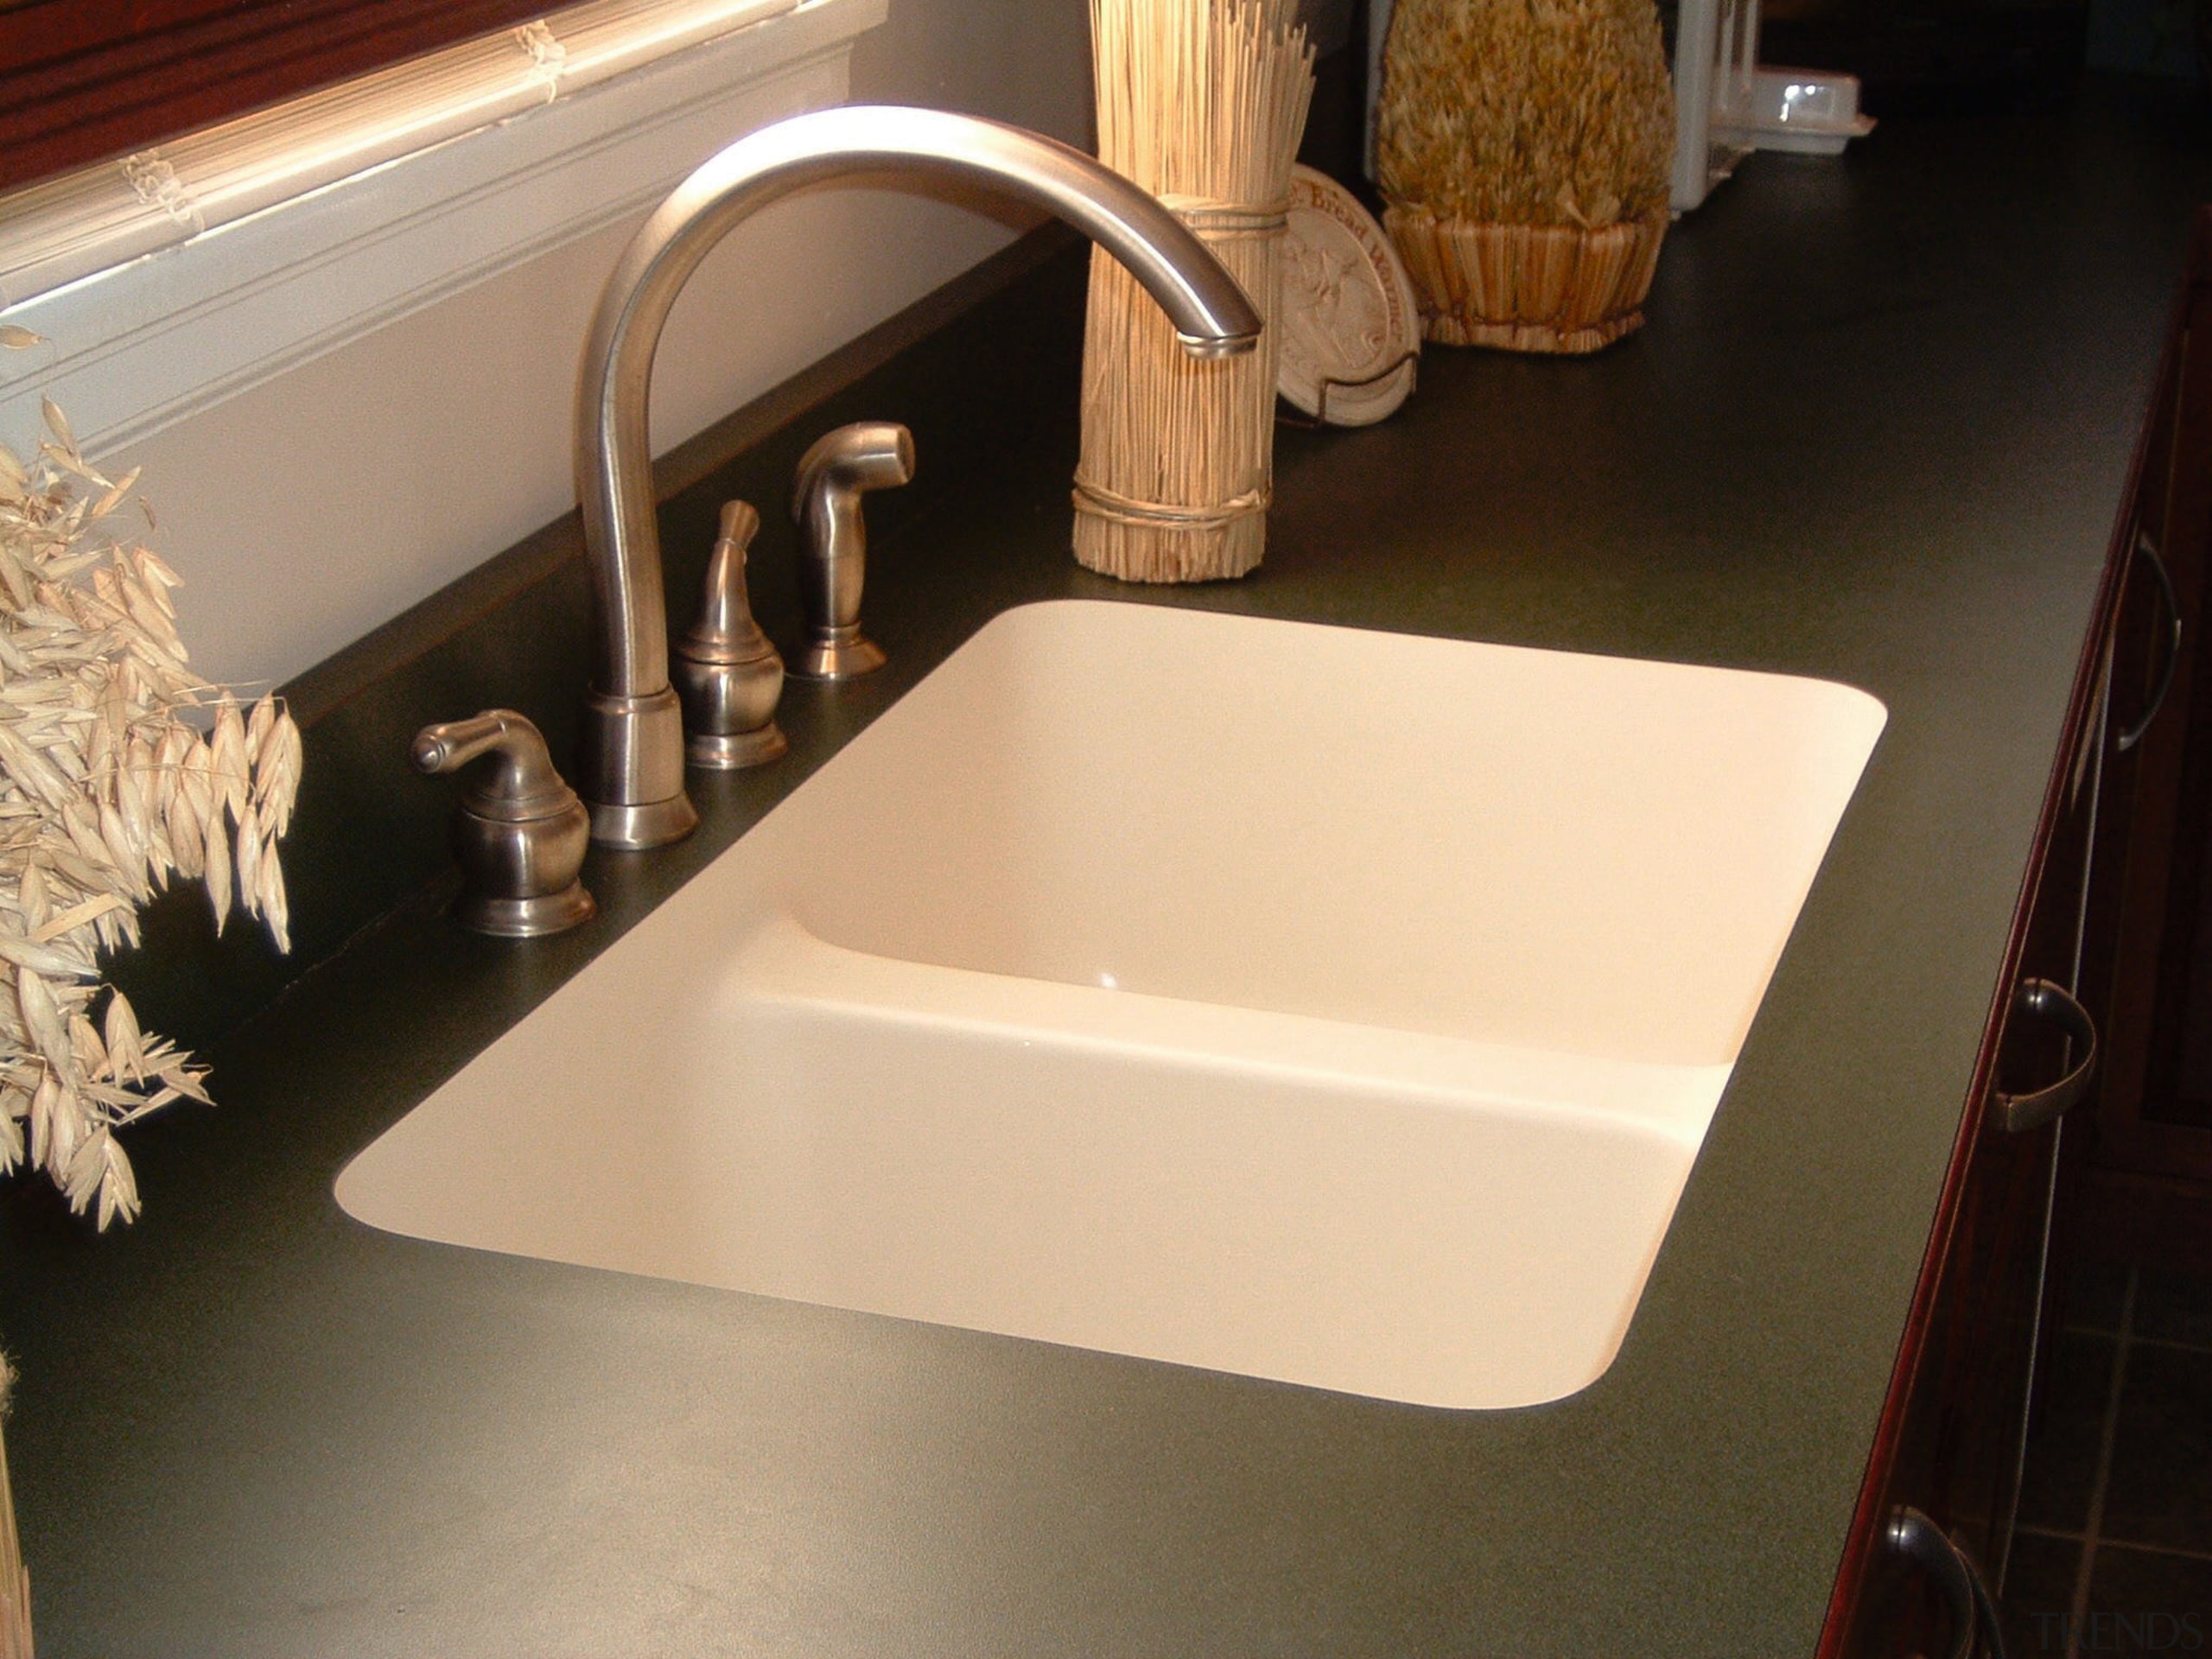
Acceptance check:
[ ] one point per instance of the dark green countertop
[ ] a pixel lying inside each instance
(1878, 430)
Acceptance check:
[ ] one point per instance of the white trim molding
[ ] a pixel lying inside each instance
(174, 279)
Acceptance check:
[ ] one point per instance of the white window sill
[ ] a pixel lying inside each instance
(169, 282)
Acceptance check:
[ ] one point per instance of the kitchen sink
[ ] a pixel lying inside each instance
(1331, 1007)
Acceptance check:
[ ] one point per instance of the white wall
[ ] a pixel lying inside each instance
(307, 511)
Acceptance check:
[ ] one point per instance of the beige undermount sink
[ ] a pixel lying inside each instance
(1339, 1007)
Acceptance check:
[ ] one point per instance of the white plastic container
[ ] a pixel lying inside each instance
(1803, 111)
(1727, 105)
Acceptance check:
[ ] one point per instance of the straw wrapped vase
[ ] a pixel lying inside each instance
(1524, 152)
(1527, 288)
(1201, 102)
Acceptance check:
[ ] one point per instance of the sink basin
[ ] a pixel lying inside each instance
(1338, 1007)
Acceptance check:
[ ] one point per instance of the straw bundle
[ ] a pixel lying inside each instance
(1524, 147)
(14, 1580)
(1202, 102)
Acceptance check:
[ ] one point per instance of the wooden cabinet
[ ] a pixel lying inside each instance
(2139, 1177)
(2125, 822)
(1950, 1444)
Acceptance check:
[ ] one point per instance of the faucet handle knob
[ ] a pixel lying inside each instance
(727, 673)
(520, 833)
(833, 475)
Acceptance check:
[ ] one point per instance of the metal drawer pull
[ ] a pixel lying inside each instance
(1973, 1612)
(2038, 998)
(2149, 551)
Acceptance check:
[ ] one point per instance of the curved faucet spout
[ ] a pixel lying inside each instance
(632, 764)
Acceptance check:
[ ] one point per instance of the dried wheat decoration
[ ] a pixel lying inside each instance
(1523, 147)
(1202, 102)
(119, 768)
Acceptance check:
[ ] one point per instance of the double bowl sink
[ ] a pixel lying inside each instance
(1337, 1008)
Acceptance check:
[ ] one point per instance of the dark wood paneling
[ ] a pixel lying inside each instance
(2119, 1216)
(2154, 1110)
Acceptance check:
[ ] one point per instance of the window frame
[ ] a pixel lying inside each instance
(167, 283)
(82, 80)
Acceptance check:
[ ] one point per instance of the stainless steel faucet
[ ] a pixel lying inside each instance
(632, 768)
(841, 467)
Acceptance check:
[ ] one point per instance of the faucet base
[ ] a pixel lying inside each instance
(632, 769)
(843, 653)
(634, 826)
(733, 751)
(527, 919)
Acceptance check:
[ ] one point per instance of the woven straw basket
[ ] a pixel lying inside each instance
(1527, 288)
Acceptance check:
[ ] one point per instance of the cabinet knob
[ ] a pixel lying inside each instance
(1973, 1611)
(2147, 550)
(2040, 1000)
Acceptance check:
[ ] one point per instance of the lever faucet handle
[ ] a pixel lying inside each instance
(520, 833)
(728, 675)
(833, 475)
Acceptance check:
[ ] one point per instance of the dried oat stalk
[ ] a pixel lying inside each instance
(119, 767)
